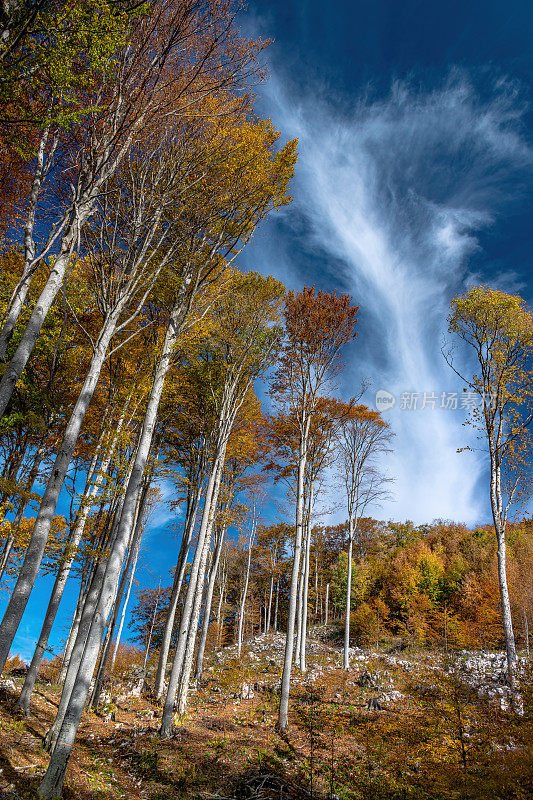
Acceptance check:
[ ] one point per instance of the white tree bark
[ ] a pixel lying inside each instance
(208, 603)
(190, 521)
(55, 773)
(41, 530)
(305, 587)
(289, 643)
(211, 495)
(346, 656)
(244, 594)
(133, 551)
(276, 607)
(123, 613)
(269, 608)
(64, 570)
(185, 677)
(499, 526)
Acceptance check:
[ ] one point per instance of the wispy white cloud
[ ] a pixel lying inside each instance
(162, 513)
(390, 198)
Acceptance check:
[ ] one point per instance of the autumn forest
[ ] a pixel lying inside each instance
(300, 640)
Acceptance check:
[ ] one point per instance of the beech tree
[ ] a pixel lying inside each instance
(499, 328)
(317, 326)
(363, 439)
(241, 342)
(166, 65)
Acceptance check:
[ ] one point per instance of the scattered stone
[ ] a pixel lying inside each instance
(247, 692)
(8, 690)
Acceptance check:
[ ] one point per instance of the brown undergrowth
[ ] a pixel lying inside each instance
(437, 741)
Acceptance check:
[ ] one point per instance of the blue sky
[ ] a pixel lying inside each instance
(414, 181)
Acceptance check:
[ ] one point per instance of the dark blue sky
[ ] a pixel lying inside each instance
(414, 181)
(348, 50)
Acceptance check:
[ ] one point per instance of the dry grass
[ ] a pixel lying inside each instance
(438, 742)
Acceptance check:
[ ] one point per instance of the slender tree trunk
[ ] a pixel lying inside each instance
(316, 587)
(150, 633)
(91, 565)
(38, 457)
(208, 602)
(41, 530)
(87, 615)
(132, 555)
(289, 643)
(326, 607)
(346, 657)
(303, 665)
(123, 613)
(53, 780)
(211, 496)
(221, 585)
(269, 607)
(276, 607)
(526, 630)
(305, 593)
(69, 555)
(190, 521)
(87, 573)
(244, 593)
(185, 677)
(497, 515)
(300, 608)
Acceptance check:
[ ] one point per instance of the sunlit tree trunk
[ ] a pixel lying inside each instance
(64, 569)
(123, 612)
(276, 607)
(185, 676)
(88, 570)
(269, 608)
(244, 594)
(53, 780)
(499, 526)
(211, 496)
(303, 665)
(289, 643)
(188, 528)
(41, 530)
(346, 656)
(299, 612)
(135, 543)
(83, 628)
(208, 602)
(150, 633)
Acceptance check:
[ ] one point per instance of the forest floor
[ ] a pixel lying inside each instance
(437, 730)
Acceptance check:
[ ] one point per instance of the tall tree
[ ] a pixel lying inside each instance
(242, 339)
(499, 329)
(175, 54)
(362, 440)
(318, 325)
